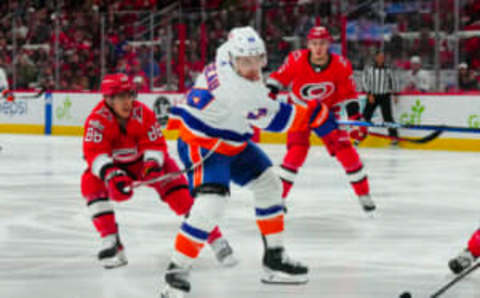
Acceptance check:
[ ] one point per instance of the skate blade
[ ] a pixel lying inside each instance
(169, 292)
(369, 210)
(370, 214)
(280, 278)
(117, 261)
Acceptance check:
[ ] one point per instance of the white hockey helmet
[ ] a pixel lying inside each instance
(245, 41)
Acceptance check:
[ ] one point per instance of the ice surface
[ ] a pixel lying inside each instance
(428, 206)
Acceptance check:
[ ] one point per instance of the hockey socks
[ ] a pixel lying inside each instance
(103, 216)
(287, 176)
(350, 161)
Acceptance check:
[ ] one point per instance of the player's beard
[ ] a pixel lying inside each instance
(254, 76)
(251, 75)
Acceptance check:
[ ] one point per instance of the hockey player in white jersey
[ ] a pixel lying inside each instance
(215, 126)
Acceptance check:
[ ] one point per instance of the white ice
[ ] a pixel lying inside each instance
(428, 206)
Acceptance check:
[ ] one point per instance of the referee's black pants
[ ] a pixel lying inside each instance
(385, 102)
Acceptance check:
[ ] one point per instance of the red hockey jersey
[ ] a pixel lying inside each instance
(331, 85)
(105, 142)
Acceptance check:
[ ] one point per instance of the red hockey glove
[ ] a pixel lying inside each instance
(119, 184)
(358, 133)
(151, 169)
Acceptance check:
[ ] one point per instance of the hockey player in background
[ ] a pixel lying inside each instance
(315, 75)
(123, 142)
(215, 126)
(467, 256)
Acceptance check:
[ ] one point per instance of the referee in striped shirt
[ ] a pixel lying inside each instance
(381, 85)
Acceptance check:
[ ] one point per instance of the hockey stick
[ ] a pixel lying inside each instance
(454, 281)
(423, 140)
(410, 126)
(173, 175)
(34, 96)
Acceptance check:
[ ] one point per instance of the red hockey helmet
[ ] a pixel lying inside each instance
(319, 32)
(116, 83)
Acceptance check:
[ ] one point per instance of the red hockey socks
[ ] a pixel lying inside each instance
(353, 166)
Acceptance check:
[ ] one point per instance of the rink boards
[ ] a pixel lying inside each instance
(63, 113)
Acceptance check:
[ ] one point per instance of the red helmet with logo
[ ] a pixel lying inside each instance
(319, 32)
(116, 83)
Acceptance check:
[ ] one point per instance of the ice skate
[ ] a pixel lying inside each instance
(280, 269)
(176, 278)
(112, 254)
(367, 203)
(223, 253)
(461, 262)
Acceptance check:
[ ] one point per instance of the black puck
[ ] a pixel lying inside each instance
(405, 295)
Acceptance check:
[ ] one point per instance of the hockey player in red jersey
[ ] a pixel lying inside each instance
(123, 142)
(314, 74)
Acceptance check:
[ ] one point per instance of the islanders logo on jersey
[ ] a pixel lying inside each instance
(317, 91)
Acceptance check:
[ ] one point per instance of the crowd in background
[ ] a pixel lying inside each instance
(28, 50)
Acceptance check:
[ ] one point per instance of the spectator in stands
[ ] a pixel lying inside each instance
(417, 79)
(27, 72)
(424, 45)
(466, 78)
(3, 76)
(396, 44)
(139, 77)
(80, 32)
(140, 84)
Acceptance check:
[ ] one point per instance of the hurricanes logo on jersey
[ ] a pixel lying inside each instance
(318, 91)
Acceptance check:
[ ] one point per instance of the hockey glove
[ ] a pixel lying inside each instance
(119, 184)
(358, 133)
(329, 125)
(274, 90)
(151, 169)
(321, 120)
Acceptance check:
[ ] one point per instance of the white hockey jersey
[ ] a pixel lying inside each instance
(418, 81)
(3, 79)
(224, 106)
